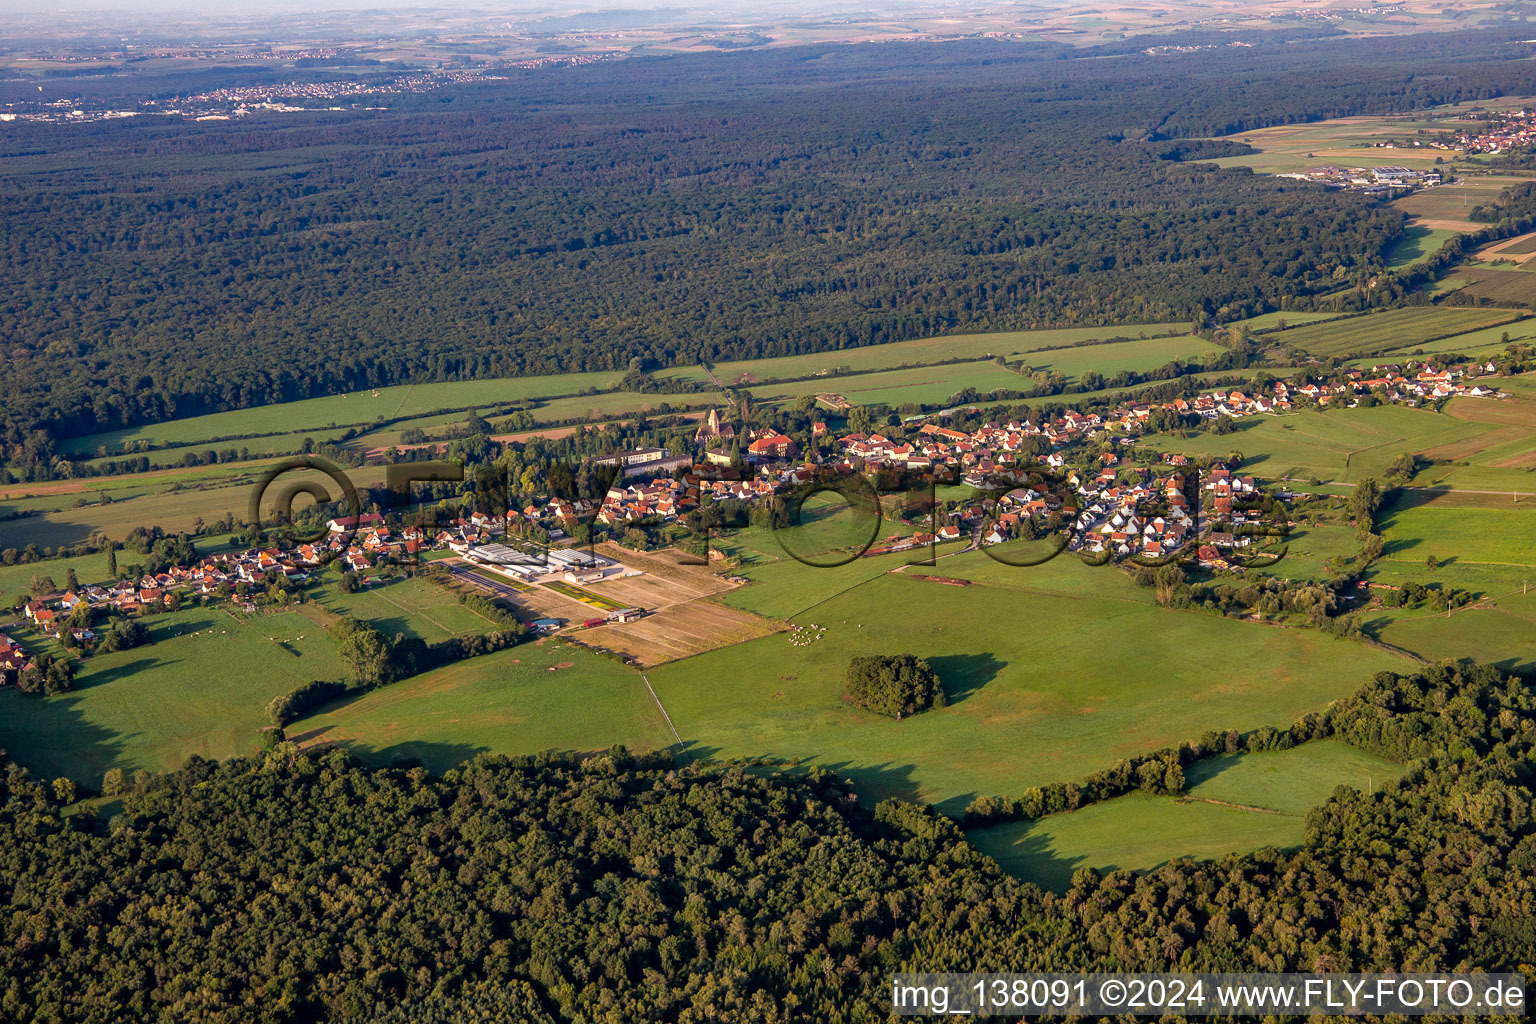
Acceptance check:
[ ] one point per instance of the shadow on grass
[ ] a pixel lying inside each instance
(1207, 768)
(435, 757)
(92, 679)
(50, 737)
(1029, 857)
(964, 674)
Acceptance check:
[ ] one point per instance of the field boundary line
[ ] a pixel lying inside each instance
(408, 389)
(409, 612)
(1253, 808)
(662, 708)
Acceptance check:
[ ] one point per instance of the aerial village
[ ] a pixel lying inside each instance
(1029, 478)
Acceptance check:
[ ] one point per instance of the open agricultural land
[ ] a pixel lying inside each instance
(1487, 343)
(549, 695)
(1345, 445)
(1350, 141)
(904, 371)
(200, 687)
(1388, 331)
(1492, 283)
(1052, 691)
(203, 682)
(359, 408)
(167, 499)
(612, 719)
(1234, 804)
(922, 352)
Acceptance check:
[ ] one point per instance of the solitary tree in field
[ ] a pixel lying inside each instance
(894, 684)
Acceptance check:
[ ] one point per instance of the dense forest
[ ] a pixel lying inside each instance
(654, 211)
(302, 886)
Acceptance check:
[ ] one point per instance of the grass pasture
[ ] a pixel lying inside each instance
(541, 696)
(923, 351)
(1345, 445)
(402, 607)
(1390, 330)
(174, 503)
(358, 407)
(1235, 804)
(1418, 242)
(1057, 690)
(201, 687)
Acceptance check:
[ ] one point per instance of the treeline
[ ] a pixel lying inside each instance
(1033, 190)
(621, 888)
(377, 660)
(1390, 717)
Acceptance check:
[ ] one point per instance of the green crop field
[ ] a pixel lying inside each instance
(1393, 329)
(283, 426)
(1270, 321)
(1487, 342)
(932, 384)
(400, 606)
(586, 597)
(173, 505)
(1499, 536)
(360, 407)
(923, 351)
(1063, 685)
(1340, 444)
(1126, 355)
(929, 384)
(201, 687)
(1139, 832)
(549, 695)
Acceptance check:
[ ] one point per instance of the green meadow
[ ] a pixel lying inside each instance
(1334, 444)
(201, 687)
(404, 607)
(548, 695)
(15, 580)
(923, 351)
(1076, 668)
(1418, 243)
(357, 407)
(174, 504)
(1235, 804)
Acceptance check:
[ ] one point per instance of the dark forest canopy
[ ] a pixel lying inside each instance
(304, 887)
(724, 206)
